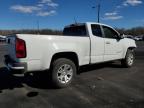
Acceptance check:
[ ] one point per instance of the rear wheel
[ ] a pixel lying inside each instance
(63, 71)
(129, 59)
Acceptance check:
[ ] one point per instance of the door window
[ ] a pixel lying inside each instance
(110, 33)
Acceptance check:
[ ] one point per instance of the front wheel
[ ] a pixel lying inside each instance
(129, 59)
(63, 71)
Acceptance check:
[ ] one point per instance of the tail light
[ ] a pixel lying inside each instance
(20, 48)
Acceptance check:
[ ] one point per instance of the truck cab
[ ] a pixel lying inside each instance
(106, 43)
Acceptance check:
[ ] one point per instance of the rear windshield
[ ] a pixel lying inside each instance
(75, 31)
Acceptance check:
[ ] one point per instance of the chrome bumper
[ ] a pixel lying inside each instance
(15, 67)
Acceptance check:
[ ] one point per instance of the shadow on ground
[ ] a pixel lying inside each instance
(92, 67)
(37, 80)
(40, 80)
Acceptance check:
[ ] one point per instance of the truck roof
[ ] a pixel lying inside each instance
(80, 24)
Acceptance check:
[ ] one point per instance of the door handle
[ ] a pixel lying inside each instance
(107, 42)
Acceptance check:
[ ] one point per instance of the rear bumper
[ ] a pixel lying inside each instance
(15, 67)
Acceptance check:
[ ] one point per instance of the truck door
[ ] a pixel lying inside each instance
(113, 46)
(97, 44)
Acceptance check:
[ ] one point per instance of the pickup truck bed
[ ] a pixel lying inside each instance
(41, 48)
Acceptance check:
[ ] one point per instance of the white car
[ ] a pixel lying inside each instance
(2, 38)
(129, 36)
(81, 44)
(138, 38)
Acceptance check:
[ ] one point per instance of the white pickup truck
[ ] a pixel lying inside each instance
(81, 44)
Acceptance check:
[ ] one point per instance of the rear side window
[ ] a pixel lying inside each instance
(75, 31)
(96, 30)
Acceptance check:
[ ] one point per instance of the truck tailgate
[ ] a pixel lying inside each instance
(11, 47)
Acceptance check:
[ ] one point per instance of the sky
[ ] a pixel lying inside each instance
(55, 14)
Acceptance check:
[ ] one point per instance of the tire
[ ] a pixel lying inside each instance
(63, 72)
(129, 59)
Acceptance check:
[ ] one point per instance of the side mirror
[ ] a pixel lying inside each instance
(121, 36)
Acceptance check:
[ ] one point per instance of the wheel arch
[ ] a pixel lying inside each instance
(129, 48)
(69, 55)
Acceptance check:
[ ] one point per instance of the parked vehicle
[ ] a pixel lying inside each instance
(130, 37)
(138, 38)
(2, 38)
(81, 44)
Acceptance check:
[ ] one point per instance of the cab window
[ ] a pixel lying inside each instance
(109, 32)
(77, 30)
(96, 30)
